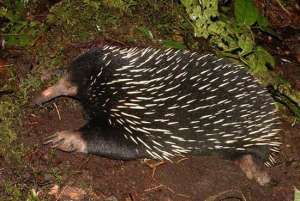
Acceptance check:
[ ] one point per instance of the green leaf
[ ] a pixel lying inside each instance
(245, 12)
(259, 60)
(146, 32)
(187, 3)
(173, 44)
(262, 21)
(265, 57)
(246, 44)
(297, 195)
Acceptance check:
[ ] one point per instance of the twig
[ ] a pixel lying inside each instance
(154, 188)
(60, 193)
(59, 117)
(283, 8)
(33, 123)
(183, 195)
(180, 160)
(169, 189)
(131, 197)
(227, 194)
(33, 115)
(160, 186)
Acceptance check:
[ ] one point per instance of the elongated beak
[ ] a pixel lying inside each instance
(62, 88)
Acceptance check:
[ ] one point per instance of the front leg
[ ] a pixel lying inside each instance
(69, 141)
(109, 143)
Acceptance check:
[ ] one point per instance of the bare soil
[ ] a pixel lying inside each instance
(192, 178)
(57, 175)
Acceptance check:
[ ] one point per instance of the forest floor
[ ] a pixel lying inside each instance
(96, 178)
(32, 171)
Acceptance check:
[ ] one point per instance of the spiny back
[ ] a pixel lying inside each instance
(174, 102)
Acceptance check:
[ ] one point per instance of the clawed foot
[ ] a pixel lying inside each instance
(253, 170)
(70, 141)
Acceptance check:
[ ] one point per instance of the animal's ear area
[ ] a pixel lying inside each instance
(62, 88)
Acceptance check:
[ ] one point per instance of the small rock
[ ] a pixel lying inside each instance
(73, 193)
(67, 193)
(48, 177)
(111, 198)
(54, 190)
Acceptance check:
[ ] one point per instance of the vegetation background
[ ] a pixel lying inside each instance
(39, 37)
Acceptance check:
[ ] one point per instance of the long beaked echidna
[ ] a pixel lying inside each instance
(158, 103)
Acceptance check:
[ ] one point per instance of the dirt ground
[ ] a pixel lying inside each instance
(194, 178)
(57, 175)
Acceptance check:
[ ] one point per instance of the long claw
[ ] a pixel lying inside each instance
(69, 141)
(49, 139)
(72, 148)
(57, 143)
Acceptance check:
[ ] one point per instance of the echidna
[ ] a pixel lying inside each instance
(156, 103)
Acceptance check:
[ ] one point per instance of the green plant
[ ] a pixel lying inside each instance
(172, 44)
(233, 37)
(123, 5)
(11, 110)
(12, 191)
(146, 32)
(296, 195)
(17, 28)
(32, 196)
(165, 43)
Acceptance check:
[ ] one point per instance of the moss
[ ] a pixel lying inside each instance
(82, 20)
(11, 110)
(12, 191)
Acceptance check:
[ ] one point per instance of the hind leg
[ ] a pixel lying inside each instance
(254, 169)
(109, 143)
